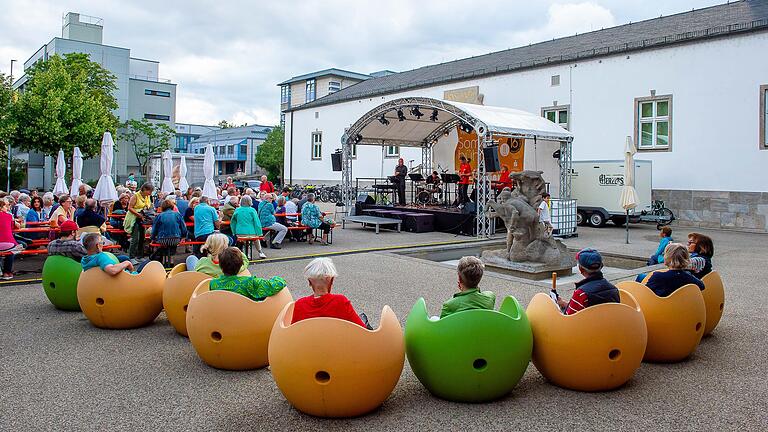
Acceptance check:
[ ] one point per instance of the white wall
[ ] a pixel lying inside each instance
(714, 85)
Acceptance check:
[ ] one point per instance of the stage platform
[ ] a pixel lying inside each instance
(448, 220)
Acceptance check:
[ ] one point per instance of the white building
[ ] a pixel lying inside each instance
(691, 89)
(140, 93)
(234, 148)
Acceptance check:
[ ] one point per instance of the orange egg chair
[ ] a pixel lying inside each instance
(123, 301)
(598, 348)
(675, 323)
(230, 331)
(329, 367)
(714, 300)
(177, 291)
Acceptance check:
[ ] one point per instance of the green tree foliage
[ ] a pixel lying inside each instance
(67, 102)
(146, 138)
(6, 105)
(269, 155)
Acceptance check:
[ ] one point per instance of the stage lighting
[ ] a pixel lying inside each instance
(466, 127)
(556, 154)
(383, 120)
(358, 138)
(433, 117)
(400, 115)
(416, 113)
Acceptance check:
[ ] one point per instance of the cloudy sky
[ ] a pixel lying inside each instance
(227, 56)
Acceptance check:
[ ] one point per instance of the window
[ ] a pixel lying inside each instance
(157, 117)
(310, 90)
(334, 86)
(222, 150)
(764, 117)
(354, 150)
(160, 93)
(392, 151)
(285, 94)
(317, 145)
(243, 149)
(282, 120)
(558, 114)
(231, 149)
(653, 120)
(555, 81)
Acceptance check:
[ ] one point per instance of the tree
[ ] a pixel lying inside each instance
(67, 102)
(7, 128)
(225, 124)
(269, 155)
(146, 138)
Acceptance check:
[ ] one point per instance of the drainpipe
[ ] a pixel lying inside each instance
(290, 144)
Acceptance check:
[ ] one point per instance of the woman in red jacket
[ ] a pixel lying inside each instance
(465, 173)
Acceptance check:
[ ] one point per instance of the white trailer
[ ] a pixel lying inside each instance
(597, 185)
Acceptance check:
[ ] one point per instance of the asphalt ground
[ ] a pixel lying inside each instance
(57, 372)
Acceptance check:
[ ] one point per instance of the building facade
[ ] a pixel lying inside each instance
(140, 94)
(234, 148)
(186, 133)
(689, 88)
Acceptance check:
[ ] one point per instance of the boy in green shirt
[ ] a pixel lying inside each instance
(470, 270)
(231, 262)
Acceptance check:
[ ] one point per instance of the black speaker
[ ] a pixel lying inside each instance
(336, 161)
(491, 156)
(364, 198)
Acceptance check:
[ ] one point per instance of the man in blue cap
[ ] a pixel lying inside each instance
(593, 289)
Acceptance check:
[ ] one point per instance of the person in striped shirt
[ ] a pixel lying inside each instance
(594, 289)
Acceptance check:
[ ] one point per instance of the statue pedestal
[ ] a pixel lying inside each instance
(497, 260)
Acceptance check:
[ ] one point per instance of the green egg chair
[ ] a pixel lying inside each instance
(60, 276)
(469, 356)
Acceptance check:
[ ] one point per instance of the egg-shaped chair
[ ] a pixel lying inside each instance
(60, 276)
(329, 367)
(714, 300)
(122, 301)
(177, 291)
(675, 323)
(598, 348)
(229, 330)
(469, 356)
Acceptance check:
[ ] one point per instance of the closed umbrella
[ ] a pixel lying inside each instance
(61, 169)
(183, 183)
(77, 172)
(105, 189)
(167, 186)
(209, 187)
(628, 193)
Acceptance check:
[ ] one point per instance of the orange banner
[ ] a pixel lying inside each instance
(511, 151)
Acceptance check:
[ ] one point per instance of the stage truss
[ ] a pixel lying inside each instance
(485, 227)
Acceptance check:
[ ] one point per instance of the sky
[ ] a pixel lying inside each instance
(227, 57)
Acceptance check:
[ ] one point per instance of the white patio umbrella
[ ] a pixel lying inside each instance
(105, 188)
(77, 172)
(183, 183)
(628, 193)
(209, 187)
(167, 186)
(61, 169)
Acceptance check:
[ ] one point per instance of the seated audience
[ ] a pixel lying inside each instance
(97, 258)
(594, 289)
(214, 245)
(36, 212)
(63, 212)
(47, 205)
(206, 220)
(280, 210)
(470, 271)
(255, 288)
(66, 245)
(321, 273)
(79, 205)
(666, 238)
(7, 240)
(267, 217)
(678, 260)
(90, 220)
(168, 229)
(25, 203)
(312, 217)
(702, 250)
(245, 222)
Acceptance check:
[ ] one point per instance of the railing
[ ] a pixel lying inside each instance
(150, 78)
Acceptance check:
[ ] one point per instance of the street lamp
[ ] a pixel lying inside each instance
(8, 172)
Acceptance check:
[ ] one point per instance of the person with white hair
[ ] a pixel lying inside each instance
(47, 205)
(25, 202)
(321, 273)
(268, 220)
(266, 185)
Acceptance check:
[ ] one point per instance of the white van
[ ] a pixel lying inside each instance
(597, 184)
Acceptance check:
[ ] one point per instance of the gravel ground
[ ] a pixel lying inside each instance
(57, 372)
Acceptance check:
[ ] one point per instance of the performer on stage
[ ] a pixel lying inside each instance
(435, 181)
(504, 180)
(465, 172)
(400, 172)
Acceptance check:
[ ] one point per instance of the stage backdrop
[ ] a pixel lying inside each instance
(511, 151)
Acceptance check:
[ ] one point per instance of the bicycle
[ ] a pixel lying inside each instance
(658, 213)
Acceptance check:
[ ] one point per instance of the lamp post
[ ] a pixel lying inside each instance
(8, 171)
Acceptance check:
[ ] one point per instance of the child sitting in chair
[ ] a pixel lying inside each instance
(470, 271)
(321, 273)
(97, 258)
(231, 263)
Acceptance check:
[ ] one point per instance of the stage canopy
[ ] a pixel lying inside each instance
(421, 122)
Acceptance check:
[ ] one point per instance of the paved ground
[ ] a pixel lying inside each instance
(57, 372)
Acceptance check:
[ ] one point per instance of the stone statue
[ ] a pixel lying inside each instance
(527, 238)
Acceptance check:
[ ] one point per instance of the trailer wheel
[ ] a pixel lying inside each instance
(581, 218)
(596, 220)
